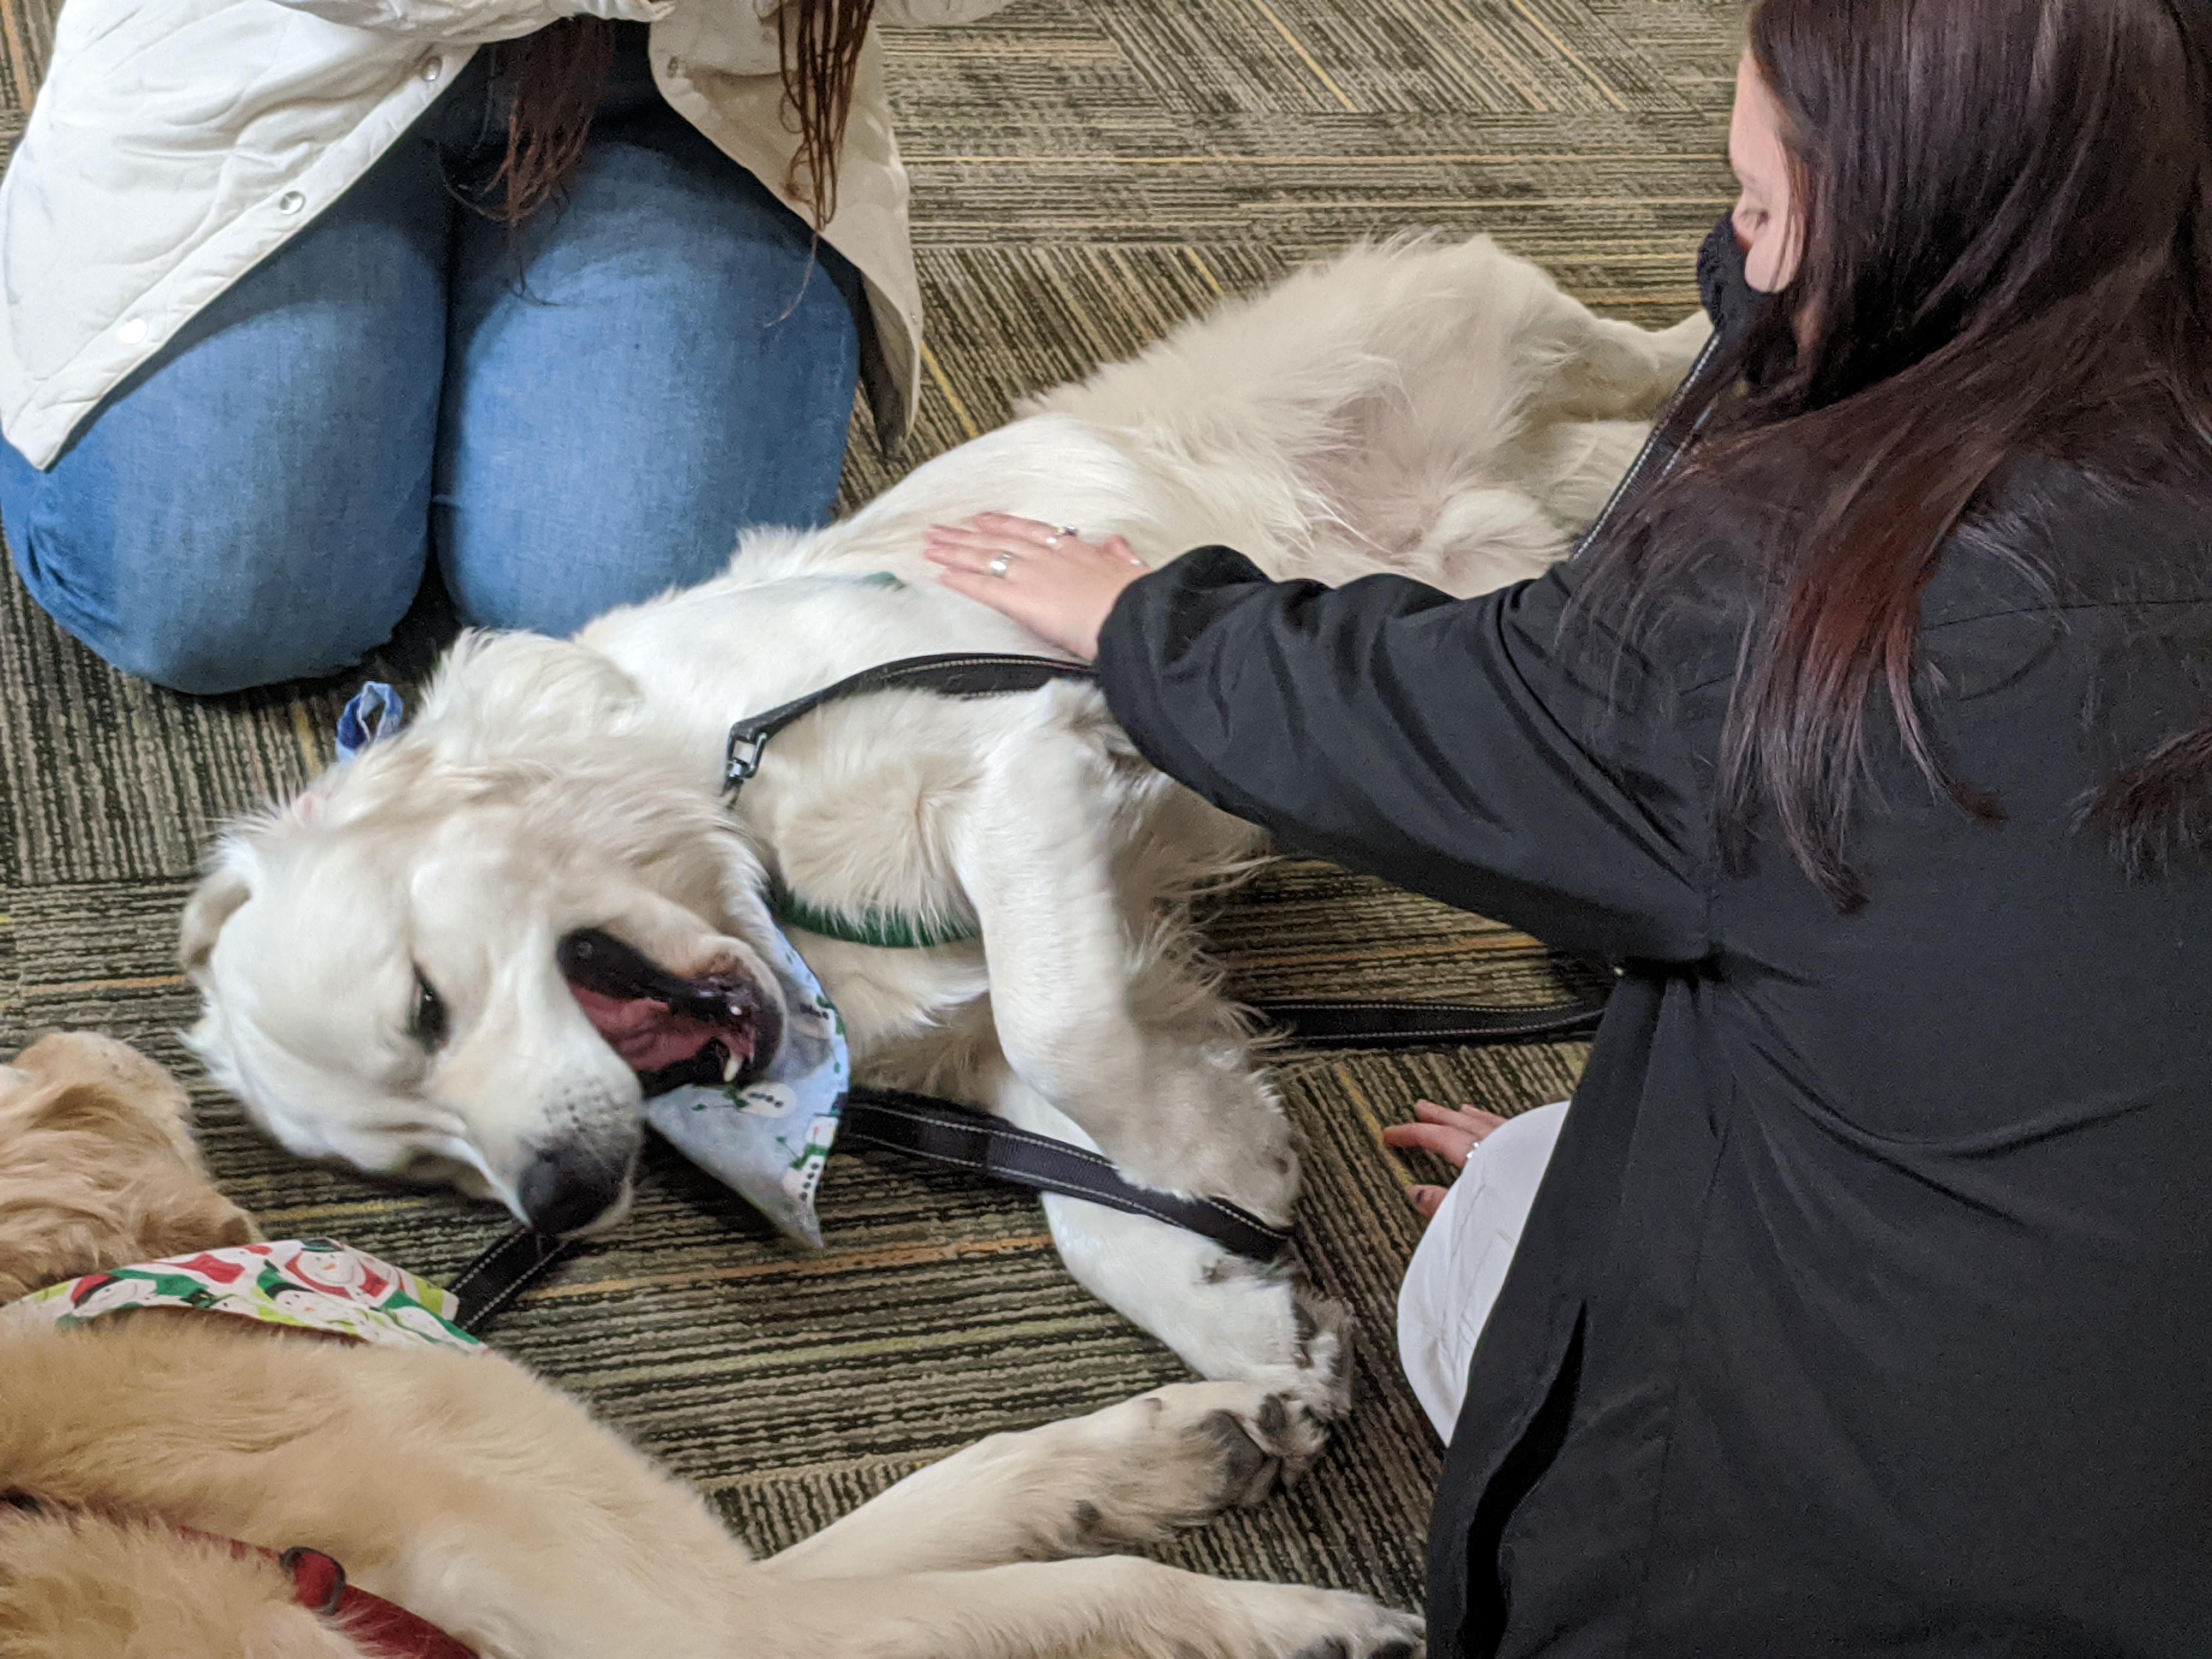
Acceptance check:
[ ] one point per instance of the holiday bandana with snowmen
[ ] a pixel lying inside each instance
(306, 1284)
(768, 1139)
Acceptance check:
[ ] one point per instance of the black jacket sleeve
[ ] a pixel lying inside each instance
(1443, 744)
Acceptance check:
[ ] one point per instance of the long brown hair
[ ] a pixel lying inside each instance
(2008, 251)
(557, 74)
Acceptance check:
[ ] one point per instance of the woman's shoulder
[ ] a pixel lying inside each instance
(2044, 537)
(2057, 535)
(2064, 575)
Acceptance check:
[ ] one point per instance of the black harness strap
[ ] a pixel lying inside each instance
(1322, 1024)
(950, 674)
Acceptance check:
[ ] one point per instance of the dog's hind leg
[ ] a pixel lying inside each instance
(1115, 1604)
(1588, 367)
(1129, 1474)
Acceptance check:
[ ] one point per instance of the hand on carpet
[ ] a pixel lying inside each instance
(1452, 1132)
(1046, 577)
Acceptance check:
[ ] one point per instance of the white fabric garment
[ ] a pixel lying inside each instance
(1454, 1279)
(177, 143)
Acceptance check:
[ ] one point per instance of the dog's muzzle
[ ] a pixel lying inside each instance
(720, 1028)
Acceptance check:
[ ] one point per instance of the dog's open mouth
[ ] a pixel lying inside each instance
(717, 1029)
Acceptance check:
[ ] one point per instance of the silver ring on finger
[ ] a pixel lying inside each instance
(1000, 564)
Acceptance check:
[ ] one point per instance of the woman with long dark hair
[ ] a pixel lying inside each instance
(298, 296)
(1859, 1309)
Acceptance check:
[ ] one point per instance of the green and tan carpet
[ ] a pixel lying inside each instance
(1085, 174)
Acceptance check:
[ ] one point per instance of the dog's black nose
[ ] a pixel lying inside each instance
(567, 1189)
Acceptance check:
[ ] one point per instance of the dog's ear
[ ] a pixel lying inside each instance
(225, 888)
(96, 1169)
(177, 1211)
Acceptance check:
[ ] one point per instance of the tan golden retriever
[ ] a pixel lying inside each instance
(465, 1490)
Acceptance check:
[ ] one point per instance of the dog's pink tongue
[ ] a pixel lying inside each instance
(647, 1036)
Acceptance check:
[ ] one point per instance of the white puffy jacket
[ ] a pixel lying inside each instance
(178, 142)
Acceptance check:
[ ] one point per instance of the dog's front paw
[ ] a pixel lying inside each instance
(1205, 1125)
(1375, 1633)
(1260, 1174)
(1177, 1457)
(1324, 1333)
(1253, 1438)
(1290, 1623)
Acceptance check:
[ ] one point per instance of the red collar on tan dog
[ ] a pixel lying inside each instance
(380, 1628)
(313, 1285)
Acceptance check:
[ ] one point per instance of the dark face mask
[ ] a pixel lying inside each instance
(1730, 300)
(1749, 323)
(1736, 309)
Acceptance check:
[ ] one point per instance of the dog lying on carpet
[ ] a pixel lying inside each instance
(381, 960)
(162, 1459)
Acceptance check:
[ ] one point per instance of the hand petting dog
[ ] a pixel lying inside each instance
(1046, 577)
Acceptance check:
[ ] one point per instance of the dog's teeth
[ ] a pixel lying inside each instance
(730, 1068)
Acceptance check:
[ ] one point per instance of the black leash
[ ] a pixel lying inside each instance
(945, 1132)
(1672, 434)
(1326, 1024)
(517, 1258)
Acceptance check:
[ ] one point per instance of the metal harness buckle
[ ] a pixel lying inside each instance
(742, 757)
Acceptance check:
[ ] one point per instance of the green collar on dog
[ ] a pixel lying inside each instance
(883, 930)
(886, 930)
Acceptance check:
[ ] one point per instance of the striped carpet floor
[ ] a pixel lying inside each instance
(1086, 172)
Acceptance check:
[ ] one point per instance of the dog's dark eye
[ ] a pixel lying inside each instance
(426, 1025)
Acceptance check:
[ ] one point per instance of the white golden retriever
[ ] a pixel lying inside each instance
(390, 964)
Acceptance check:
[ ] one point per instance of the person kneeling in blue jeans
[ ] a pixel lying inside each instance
(521, 309)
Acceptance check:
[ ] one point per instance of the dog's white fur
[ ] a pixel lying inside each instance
(1441, 410)
(480, 1499)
